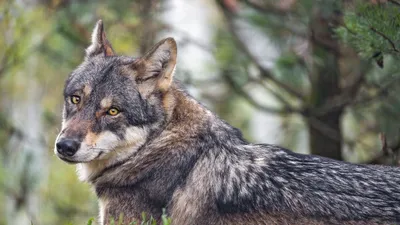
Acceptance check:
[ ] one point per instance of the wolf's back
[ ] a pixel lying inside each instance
(265, 184)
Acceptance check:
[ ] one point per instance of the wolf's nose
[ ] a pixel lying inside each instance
(67, 147)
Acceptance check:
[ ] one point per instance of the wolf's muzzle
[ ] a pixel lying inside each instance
(67, 147)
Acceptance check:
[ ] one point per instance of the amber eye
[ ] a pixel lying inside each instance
(113, 111)
(75, 99)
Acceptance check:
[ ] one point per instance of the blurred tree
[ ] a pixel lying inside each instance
(336, 68)
(319, 76)
(22, 152)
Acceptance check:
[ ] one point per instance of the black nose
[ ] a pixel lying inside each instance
(67, 147)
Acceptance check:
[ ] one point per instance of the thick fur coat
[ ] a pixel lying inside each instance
(146, 145)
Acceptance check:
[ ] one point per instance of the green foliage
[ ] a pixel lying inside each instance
(165, 219)
(68, 198)
(372, 29)
(90, 221)
(144, 220)
(234, 65)
(290, 68)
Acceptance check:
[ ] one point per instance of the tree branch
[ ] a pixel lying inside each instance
(343, 100)
(236, 88)
(386, 38)
(314, 122)
(272, 91)
(264, 72)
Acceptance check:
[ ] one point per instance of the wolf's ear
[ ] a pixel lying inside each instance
(100, 44)
(157, 66)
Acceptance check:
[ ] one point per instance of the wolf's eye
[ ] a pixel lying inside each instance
(113, 111)
(75, 99)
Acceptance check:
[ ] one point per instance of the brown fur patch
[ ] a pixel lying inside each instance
(165, 81)
(146, 89)
(99, 114)
(75, 127)
(188, 116)
(168, 102)
(86, 90)
(91, 138)
(108, 50)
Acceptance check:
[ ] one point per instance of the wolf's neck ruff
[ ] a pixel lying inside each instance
(160, 148)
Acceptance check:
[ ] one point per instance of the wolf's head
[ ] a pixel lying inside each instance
(112, 102)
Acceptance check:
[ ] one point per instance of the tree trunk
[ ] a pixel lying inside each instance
(149, 27)
(325, 130)
(324, 144)
(25, 157)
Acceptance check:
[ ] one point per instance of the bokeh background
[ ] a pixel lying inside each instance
(313, 76)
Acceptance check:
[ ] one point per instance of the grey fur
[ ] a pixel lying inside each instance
(199, 168)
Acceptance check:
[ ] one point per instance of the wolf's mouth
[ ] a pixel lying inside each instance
(78, 161)
(68, 160)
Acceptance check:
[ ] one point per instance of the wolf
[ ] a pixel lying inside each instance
(145, 145)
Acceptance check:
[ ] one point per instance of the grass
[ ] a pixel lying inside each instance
(144, 221)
